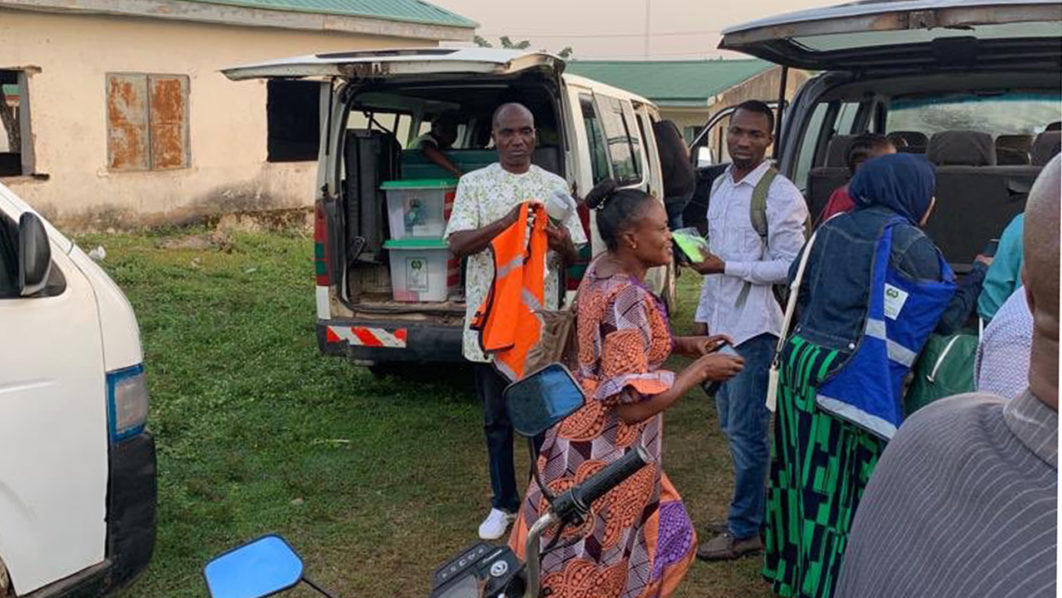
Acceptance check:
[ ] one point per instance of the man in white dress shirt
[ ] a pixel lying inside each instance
(737, 300)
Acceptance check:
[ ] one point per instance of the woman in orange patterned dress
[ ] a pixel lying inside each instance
(639, 541)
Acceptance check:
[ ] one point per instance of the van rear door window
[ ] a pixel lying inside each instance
(1004, 113)
(396, 123)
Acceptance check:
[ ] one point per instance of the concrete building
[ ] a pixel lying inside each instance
(688, 92)
(116, 109)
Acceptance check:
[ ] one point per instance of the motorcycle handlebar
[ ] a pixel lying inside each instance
(608, 478)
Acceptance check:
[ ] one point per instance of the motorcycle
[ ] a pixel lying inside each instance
(540, 400)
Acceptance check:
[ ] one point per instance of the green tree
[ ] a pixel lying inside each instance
(508, 44)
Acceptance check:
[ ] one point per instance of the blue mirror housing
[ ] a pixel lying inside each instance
(541, 399)
(259, 568)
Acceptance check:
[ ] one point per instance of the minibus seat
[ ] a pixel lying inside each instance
(823, 180)
(837, 151)
(1013, 150)
(961, 148)
(915, 140)
(415, 165)
(370, 158)
(975, 198)
(1046, 146)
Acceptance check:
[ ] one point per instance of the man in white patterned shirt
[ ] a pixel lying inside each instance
(487, 203)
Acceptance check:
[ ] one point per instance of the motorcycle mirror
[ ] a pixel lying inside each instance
(259, 568)
(541, 399)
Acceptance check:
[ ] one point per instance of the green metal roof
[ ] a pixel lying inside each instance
(675, 83)
(407, 11)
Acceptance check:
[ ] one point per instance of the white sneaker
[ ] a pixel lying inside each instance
(494, 526)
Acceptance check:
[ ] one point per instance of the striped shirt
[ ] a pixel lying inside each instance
(962, 504)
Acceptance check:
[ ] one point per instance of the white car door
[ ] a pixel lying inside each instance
(53, 427)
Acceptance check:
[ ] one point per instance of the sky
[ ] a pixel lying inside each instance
(615, 29)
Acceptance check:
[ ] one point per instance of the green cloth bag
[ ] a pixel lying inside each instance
(945, 368)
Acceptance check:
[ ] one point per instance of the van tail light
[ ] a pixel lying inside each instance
(127, 402)
(320, 245)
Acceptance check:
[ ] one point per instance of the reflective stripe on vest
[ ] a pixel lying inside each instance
(507, 324)
(901, 315)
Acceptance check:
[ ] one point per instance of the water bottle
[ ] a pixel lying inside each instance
(560, 206)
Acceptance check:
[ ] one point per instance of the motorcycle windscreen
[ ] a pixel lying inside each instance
(541, 399)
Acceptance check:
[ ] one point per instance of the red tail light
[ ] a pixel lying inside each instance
(320, 245)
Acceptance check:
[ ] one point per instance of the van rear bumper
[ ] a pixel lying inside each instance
(376, 342)
(131, 499)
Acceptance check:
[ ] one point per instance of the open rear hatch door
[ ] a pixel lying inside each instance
(909, 35)
(417, 62)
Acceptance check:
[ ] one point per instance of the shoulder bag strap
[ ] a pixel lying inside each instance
(790, 309)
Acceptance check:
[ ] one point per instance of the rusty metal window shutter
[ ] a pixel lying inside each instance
(168, 121)
(127, 122)
(147, 122)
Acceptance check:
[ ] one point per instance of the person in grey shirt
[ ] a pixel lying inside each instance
(963, 503)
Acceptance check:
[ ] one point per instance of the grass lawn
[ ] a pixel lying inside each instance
(374, 481)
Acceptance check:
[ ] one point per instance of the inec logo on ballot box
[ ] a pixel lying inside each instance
(417, 274)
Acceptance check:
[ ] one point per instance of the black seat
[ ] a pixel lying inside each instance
(975, 197)
(909, 142)
(823, 180)
(370, 157)
(1046, 146)
(1013, 150)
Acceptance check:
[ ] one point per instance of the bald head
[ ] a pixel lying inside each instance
(1041, 246)
(509, 110)
(514, 136)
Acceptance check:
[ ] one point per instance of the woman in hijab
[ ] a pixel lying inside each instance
(874, 288)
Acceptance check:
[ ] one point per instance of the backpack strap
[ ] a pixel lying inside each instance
(758, 219)
(758, 205)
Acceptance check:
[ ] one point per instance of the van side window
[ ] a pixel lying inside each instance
(809, 146)
(624, 150)
(643, 126)
(8, 258)
(594, 138)
(396, 123)
(9, 265)
(846, 117)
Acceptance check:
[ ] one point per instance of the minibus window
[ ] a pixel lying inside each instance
(594, 139)
(809, 146)
(623, 149)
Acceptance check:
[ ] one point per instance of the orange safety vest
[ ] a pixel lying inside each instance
(507, 324)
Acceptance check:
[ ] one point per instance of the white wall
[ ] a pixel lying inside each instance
(227, 120)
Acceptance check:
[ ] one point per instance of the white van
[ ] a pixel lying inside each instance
(77, 468)
(372, 106)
